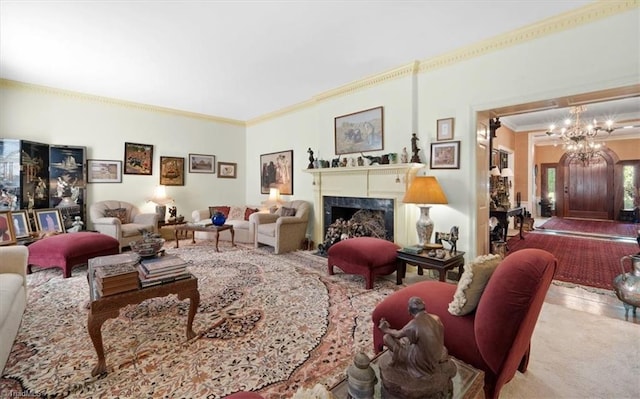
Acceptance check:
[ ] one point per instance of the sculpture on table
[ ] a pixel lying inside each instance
(173, 211)
(417, 364)
(451, 237)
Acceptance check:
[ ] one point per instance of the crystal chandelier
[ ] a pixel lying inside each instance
(578, 138)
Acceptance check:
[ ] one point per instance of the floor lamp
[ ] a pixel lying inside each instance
(424, 191)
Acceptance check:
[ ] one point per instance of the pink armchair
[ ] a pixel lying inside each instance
(496, 337)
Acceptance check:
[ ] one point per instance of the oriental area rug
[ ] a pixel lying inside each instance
(587, 261)
(266, 322)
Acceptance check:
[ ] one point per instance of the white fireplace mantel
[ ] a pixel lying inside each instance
(373, 181)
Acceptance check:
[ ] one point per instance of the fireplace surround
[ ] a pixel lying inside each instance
(381, 186)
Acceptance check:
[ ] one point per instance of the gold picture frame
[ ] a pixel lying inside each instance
(49, 220)
(7, 233)
(444, 129)
(172, 171)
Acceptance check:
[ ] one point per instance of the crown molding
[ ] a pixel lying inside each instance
(15, 85)
(566, 21)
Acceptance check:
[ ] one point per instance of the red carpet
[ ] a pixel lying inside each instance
(603, 227)
(584, 261)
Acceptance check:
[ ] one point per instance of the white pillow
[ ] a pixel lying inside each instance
(471, 284)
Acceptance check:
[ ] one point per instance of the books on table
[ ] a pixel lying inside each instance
(162, 269)
(114, 274)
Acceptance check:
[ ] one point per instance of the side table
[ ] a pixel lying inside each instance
(428, 262)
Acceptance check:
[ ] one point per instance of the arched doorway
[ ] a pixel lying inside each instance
(587, 190)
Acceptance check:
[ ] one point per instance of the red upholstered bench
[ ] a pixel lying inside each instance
(68, 250)
(367, 256)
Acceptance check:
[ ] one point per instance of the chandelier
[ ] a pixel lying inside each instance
(579, 139)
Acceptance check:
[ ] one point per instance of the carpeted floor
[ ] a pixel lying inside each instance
(272, 324)
(264, 322)
(601, 227)
(581, 260)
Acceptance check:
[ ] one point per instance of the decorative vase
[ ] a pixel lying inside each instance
(218, 219)
(627, 284)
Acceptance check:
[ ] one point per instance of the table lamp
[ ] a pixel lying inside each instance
(274, 198)
(424, 191)
(161, 200)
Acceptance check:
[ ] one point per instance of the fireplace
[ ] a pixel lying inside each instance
(344, 207)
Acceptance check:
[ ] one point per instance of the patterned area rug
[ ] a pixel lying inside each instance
(270, 323)
(599, 227)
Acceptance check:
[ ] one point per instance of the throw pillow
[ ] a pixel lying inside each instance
(287, 211)
(236, 213)
(472, 283)
(223, 209)
(120, 213)
(248, 212)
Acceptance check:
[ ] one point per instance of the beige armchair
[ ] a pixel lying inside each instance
(121, 220)
(283, 233)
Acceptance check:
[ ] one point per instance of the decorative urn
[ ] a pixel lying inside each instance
(218, 219)
(627, 284)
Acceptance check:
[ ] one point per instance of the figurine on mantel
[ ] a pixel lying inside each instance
(311, 159)
(404, 157)
(414, 148)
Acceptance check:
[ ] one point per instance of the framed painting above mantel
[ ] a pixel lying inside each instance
(359, 132)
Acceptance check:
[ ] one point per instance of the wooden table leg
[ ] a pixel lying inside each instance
(217, 238)
(94, 325)
(175, 234)
(233, 237)
(443, 274)
(401, 270)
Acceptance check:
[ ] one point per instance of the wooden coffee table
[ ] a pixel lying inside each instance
(108, 307)
(207, 228)
(428, 262)
(468, 382)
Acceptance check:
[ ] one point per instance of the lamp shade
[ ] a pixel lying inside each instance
(160, 196)
(495, 171)
(425, 190)
(506, 172)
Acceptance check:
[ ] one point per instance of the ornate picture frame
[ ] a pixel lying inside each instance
(21, 225)
(7, 233)
(172, 171)
(360, 131)
(201, 163)
(276, 171)
(445, 155)
(138, 159)
(227, 170)
(49, 220)
(104, 171)
(444, 129)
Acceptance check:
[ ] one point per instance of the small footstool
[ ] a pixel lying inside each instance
(72, 249)
(366, 256)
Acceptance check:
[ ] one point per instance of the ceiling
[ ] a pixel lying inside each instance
(240, 59)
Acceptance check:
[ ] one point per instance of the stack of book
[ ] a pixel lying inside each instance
(118, 274)
(414, 249)
(162, 269)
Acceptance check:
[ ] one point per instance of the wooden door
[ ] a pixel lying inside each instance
(482, 184)
(588, 189)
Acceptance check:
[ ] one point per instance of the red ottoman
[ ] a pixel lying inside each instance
(72, 249)
(366, 256)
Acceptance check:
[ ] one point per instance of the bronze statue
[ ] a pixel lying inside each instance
(310, 151)
(414, 148)
(418, 364)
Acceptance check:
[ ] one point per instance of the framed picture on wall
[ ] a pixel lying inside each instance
(445, 129)
(360, 131)
(171, 171)
(276, 171)
(103, 171)
(49, 220)
(138, 159)
(21, 226)
(7, 234)
(199, 163)
(227, 170)
(445, 155)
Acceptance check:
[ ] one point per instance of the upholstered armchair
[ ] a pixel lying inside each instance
(13, 296)
(121, 220)
(284, 230)
(494, 338)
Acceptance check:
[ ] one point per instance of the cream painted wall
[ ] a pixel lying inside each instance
(104, 127)
(499, 75)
